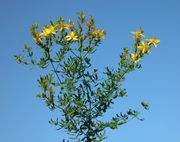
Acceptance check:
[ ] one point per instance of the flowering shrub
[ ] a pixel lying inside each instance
(72, 85)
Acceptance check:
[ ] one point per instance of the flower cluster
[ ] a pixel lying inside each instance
(142, 46)
(69, 36)
(51, 30)
(66, 30)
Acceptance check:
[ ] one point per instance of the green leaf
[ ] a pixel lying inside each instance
(145, 105)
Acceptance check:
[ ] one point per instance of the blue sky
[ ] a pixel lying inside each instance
(23, 117)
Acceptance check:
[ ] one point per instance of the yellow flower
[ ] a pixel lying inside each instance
(62, 26)
(38, 37)
(138, 34)
(98, 33)
(49, 30)
(72, 35)
(153, 41)
(135, 57)
(144, 48)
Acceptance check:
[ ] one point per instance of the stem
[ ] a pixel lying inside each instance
(74, 53)
(51, 61)
(55, 71)
(88, 120)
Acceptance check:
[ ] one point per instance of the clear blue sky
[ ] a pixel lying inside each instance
(24, 118)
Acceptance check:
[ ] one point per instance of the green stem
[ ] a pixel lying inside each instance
(54, 69)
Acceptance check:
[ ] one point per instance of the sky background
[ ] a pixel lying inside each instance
(24, 118)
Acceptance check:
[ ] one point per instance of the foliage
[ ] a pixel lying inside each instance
(72, 85)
